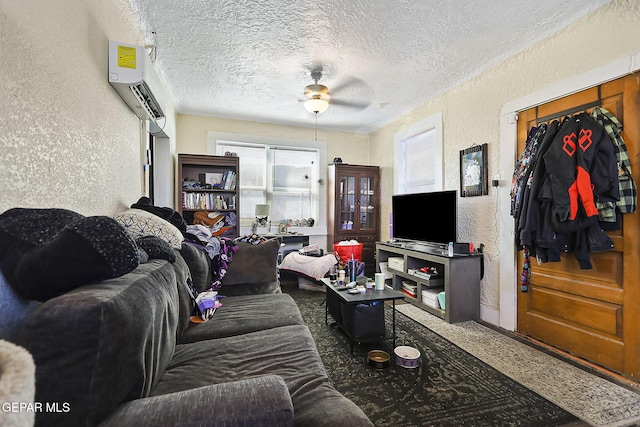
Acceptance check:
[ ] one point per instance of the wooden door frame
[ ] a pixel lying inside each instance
(508, 311)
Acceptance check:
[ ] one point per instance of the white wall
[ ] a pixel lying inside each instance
(67, 139)
(471, 115)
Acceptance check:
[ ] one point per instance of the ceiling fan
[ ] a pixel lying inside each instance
(317, 95)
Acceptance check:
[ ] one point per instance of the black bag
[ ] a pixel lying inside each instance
(364, 320)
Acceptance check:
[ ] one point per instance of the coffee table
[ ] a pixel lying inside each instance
(340, 300)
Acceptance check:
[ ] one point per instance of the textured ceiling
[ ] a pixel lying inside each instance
(251, 59)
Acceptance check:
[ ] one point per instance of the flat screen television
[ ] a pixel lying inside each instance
(425, 217)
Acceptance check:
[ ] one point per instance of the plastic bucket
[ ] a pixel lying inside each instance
(347, 252)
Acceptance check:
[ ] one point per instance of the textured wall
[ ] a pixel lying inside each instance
(192, 131)
(471, 115)
(67, 138)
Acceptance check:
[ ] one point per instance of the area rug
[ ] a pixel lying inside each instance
(449, 388)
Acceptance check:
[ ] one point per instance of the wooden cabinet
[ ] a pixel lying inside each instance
(458, 276)
(208, 189)
(354, 208)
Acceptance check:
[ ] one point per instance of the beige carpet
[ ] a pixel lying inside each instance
(595, 400)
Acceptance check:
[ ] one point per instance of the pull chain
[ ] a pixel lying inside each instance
(316, 127)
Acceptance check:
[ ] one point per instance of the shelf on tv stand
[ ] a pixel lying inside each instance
(421, 247)
(460, 273)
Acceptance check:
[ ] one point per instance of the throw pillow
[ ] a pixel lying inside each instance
(141, 223)
(87, 250)
(311, 267)
(156, 248)
(169, 214)
(23, 229)
(253, 263)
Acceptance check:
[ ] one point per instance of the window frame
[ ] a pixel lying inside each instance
(431, 123)
(320, 226)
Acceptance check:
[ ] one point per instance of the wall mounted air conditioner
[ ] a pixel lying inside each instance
(132, 75)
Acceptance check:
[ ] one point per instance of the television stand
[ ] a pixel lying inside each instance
(418, 246)
(458, 277)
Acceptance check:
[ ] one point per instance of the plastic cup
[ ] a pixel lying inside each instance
(379, 278)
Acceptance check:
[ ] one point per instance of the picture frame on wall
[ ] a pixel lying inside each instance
(474, 171)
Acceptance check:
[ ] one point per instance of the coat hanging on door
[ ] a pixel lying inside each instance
(568, 183)
(581, 168)
(626, 185)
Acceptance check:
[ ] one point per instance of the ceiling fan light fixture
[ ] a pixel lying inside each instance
(316, 105)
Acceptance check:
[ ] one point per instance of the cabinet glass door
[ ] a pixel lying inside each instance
(346, 202)
(367, 203)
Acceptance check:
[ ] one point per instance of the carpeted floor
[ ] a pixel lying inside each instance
(449, 388)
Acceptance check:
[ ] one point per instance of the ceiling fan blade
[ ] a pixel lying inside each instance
(346, 83)
(349, 104)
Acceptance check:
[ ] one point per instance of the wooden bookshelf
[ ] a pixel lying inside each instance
(208, 192)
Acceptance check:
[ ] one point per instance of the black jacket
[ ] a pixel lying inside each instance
(581, 166)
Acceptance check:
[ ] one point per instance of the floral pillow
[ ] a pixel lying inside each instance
(140, 223)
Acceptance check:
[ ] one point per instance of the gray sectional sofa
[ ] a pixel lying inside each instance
(122, 351)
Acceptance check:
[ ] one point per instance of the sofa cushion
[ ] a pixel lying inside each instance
(141, 223)
(103, 343)
(287, 351)
(199, 264)
(243, 314)
(13, 310)
(186, 304)
(265, 401)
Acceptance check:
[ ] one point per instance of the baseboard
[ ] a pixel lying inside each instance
(489, 315)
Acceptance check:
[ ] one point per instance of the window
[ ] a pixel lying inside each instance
(286, 175)
(418, 157)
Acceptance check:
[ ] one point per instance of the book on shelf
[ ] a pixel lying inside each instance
(228, 180)
(218, 180)
(207, 201)
(404, 291)
(410, 289)
(422, 275)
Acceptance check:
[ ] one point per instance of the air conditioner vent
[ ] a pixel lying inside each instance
(132, 75)
(147, 101)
